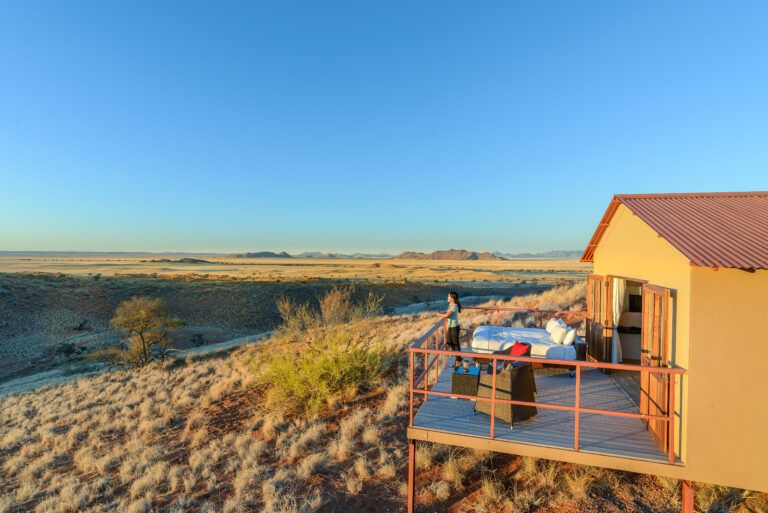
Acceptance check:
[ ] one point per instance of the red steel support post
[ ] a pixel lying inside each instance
(576, 411)
(493, 398)
(411, 473)
(426, 371)
(671, 421)
(687, 497)
(410, 422)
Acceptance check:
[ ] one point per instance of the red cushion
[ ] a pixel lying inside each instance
(518, 349)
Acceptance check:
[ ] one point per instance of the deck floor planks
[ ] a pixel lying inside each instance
(604, 434)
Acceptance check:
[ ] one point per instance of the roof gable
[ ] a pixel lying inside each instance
(722, 229)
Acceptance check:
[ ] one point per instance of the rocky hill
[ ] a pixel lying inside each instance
(450, 254)
(180, 261)
(263, 254)
(557, 254)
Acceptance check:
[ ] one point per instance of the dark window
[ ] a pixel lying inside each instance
(635, 303)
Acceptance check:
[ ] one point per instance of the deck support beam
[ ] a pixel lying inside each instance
(411, 473)
(687, 497)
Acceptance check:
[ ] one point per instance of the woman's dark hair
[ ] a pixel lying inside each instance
(455, 298)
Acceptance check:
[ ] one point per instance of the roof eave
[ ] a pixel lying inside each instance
(589, 252)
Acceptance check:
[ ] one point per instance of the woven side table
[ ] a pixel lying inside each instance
(465, 383)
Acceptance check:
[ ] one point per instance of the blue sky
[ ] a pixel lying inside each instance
(362, 126)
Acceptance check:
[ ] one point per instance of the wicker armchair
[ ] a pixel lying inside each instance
(485, 362)
(513, 383)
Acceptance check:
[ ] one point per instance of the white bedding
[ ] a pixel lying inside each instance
(487, 339)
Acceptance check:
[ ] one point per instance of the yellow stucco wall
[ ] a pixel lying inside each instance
(729, 377)
(631, 249)
(722, 405)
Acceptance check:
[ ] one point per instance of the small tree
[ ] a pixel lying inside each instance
(198, 339)
(146, 324)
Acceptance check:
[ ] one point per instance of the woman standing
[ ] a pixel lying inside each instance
(452, 314)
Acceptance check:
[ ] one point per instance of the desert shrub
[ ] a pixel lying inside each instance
(441, 489)
(491, 489)
(66, 349)
(717, 499)
(145, 322)
(322, 352)
(198, 339)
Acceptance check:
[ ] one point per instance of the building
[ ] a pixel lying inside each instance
(696, 265)
(673, 384)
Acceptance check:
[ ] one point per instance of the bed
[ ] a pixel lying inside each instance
(487, 339)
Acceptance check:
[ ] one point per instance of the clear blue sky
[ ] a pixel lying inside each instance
(362, 126)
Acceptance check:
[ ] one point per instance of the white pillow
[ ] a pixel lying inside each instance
(551, 325)
(569, 338)
(562, 323)
(558, 334)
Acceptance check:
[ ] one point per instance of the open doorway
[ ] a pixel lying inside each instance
(629, 334)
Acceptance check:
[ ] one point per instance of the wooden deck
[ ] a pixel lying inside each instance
(600, 434)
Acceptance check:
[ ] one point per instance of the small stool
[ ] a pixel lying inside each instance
(465, 383)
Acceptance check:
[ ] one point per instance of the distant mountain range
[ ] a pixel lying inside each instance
(262, 254)
(559, 253)
(450, 254)
(179, 261)
(308, 254)
(317, 254)
(461, 254)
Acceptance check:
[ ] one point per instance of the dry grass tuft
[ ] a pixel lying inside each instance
(200, 438)
(139, 506)
(491, 490)
(247, 479)
(273, 424)
(395, 402)
(311, 436)
(353, 484)
(388, 470)
(371, 435)
(362, 468)
(579, 482)
(441, 489)
(6, 503)
(352, 424)
(311, 464)
(716, 499)
(424, 459)
(340, 449)
(453, 473)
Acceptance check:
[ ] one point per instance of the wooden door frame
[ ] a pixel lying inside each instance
(600, 316)
(657, 301)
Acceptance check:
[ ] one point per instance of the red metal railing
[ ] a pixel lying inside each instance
(421, 346)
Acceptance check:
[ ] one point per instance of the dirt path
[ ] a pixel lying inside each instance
(66, 373)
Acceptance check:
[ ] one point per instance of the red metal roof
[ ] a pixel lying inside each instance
(717, 229)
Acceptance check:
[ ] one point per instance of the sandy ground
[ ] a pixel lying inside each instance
(295, 268)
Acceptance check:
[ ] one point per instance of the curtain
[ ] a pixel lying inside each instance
(619, 287)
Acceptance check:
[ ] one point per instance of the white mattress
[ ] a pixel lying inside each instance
(487, 339)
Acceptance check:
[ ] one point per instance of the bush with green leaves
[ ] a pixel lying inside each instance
(322, 352)
(145, 323)
(66, 349)
(198, 339)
